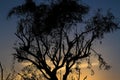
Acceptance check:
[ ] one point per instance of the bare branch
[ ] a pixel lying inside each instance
(1, 71)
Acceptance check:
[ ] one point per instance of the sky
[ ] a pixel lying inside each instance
(110, 47)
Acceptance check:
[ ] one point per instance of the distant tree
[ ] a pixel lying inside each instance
(56, 34)
(30, 72)
(1, 69)
(9, 76)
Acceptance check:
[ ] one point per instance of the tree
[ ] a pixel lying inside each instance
(56, 34)
(1, 71)
(9, 76)
(30, 72)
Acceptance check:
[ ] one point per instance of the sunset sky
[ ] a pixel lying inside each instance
(110, 47)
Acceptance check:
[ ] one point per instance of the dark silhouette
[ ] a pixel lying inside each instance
(1, 69)
(30, 72)
(9, 76)
(57, 34)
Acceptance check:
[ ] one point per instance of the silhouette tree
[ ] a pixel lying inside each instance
(1, 71)
(30, 72)
(9, 76)
(57, 34)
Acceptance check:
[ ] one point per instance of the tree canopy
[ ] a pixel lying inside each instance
(57, 34)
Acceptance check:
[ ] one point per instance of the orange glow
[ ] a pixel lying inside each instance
(74, 75)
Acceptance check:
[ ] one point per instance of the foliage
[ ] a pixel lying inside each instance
(55, 35)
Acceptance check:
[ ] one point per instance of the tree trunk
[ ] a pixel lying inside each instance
(66, 74)
(54, 77)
